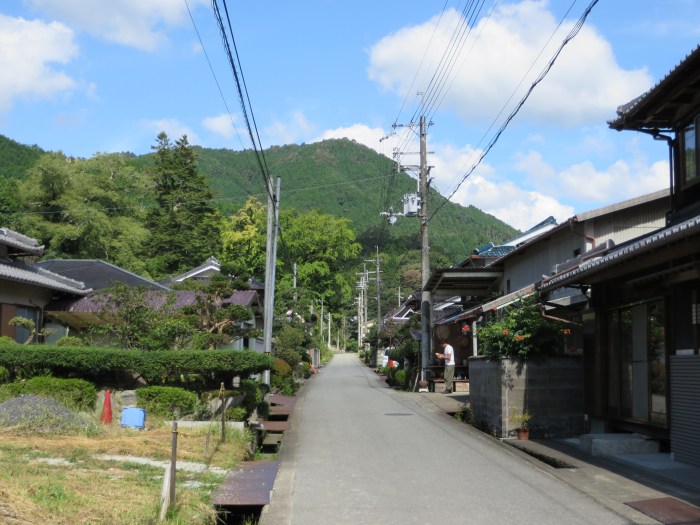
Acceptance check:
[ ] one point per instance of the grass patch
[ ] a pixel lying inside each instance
(59, 479)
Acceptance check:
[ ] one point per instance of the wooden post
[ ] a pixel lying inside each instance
(223, 413)
(173, 465)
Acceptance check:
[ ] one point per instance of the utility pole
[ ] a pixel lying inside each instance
(295, 284)
(379, 308)
(365, 300)
(270, 265)
(426, 296)
(321, 330)
(417, 205)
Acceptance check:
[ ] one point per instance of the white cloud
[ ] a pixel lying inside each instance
(361, 133)
(28, 49)
(220, 124)
(487, 191)
(135, 23)
(172, 127)
(513, 205)
(618, 182)
(585, 85)
(295, 129)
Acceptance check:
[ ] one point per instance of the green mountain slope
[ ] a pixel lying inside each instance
(16, 158)
(339, 177)
(345, 178)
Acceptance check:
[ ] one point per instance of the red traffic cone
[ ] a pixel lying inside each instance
(106, 417)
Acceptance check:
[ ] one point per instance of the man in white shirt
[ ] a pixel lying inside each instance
(448, 354)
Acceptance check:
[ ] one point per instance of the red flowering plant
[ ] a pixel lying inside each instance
(520, 332)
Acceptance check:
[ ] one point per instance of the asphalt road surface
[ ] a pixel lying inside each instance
(360, 453)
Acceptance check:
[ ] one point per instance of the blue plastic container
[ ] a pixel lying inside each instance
(134, 417)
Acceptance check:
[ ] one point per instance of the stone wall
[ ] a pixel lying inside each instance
(551, 390)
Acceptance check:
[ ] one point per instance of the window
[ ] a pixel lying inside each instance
(690, 158)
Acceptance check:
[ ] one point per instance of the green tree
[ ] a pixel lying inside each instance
(9, 204)
(184, 227)
(323, 247)
(244, 240)
(135, 320)
(216, 322)
(91, 209)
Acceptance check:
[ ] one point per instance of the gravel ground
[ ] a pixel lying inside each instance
(41, 414)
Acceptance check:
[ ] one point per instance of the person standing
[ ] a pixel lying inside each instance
(448, 354)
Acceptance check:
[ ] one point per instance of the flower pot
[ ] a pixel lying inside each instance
(523, 433)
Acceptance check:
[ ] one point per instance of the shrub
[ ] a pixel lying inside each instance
(282, 378)
(166, 401)
(236, 414)
(4, 375)
(70, 340)
(253, 395)
(521, 332)
(400, 378)
(291, 357)
(73, 393)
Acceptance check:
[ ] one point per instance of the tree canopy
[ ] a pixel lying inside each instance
(86, 209)
(183, 225)
(321, 245)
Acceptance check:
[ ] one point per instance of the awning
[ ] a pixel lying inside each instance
(465, 282)
(495, 304)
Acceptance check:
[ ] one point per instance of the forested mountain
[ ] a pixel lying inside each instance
(16, 158)
(338, 177)
(161, 214)
(347, 179)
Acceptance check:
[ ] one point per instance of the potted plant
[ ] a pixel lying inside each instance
(522, 430)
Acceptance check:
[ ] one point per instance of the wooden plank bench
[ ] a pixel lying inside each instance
(458, 385)
(273, 426)
(280, 410)
(249, 485)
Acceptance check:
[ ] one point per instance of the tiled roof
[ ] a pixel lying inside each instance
(97, 274)
(155, 298)
(21, 272)
(497, 251)
(664, 104)
(622, 253)
(19, 242)
(212, 263)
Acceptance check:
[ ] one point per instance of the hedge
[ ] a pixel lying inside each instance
(72, 393)
(154, 366)
(166, 401)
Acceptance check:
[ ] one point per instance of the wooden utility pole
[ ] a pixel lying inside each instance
(379, 307)
(426, 296)
(273, 201)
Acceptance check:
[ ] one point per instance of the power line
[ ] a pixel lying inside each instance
(216, 80)
(574, 31)
(242, 93)
(532, 65)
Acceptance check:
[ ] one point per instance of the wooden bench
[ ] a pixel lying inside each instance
(247, 486)
(458, 385)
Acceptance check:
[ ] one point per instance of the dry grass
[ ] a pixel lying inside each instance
(58, 479)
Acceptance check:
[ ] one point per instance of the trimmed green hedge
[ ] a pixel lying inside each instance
(72, 393)
(157, 367)
(166, 401)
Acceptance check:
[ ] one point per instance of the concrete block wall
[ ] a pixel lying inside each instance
(551, 390)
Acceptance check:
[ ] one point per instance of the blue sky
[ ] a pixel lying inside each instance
(89, 76)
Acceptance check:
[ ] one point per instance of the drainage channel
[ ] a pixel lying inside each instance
(544, 458)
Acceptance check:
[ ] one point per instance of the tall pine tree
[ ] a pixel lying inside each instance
(185, 228)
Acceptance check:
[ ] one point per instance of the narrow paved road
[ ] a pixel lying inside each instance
(361, 453)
